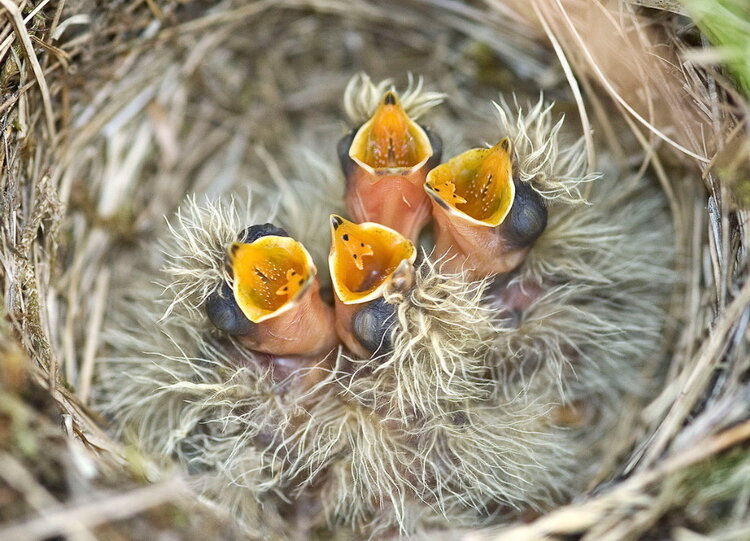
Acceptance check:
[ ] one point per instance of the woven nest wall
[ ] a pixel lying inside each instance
(140, 138)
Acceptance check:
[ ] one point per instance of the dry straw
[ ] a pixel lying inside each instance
(113, 115)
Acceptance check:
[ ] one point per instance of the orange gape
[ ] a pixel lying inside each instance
(476, 185)
(276, 288)
(390, 156)
(364, 259)
(472, 195)
(268, 274)
(393, 140)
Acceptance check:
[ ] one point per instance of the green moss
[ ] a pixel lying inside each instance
(713, 490)
(138, 464)
(726, 23)
(18, 432)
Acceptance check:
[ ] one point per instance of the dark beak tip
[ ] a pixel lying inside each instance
(436, 198)
(505, 144)
(389, 98)
(336, 221)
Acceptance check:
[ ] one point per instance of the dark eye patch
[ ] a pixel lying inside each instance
(342, 150)
(255, 232)
(373, 325)
(527, 218)
(222, 310)
(437, 148)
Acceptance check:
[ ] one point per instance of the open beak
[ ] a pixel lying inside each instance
(485, 221)
(366, 261)
(385, 162)
(276, 289)
(271, 276)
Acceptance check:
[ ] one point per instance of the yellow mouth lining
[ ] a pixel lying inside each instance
(363, 257)
(390, 139)
(269, 275)
(476, 185)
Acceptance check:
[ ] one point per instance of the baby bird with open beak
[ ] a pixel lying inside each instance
(385, 162)
(485, 221)
(274, 304)
(367, 261)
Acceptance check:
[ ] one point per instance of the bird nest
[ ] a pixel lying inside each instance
(595, 390)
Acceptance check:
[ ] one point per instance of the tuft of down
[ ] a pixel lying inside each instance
(184, 397)
(442, 342)
(362, 97)
(555, 169)
(195, 251)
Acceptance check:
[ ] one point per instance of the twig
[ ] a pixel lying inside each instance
(613, 92)
(710, 355)
(36, 495)
(92, 335)
(573, 83)
(23, 35)
(573, 519)
(102, 510)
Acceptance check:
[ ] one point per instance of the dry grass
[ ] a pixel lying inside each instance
(111, 115)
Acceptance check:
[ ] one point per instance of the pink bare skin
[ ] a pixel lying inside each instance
(391, 197)
(516, 297)
(479, 250)
(344, 315)
(306, 329)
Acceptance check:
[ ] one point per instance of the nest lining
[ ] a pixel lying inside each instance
(123, 217)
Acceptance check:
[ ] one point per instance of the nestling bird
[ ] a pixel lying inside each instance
(485, 220)
(274, 304)
(385, 162)
(367, 261)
